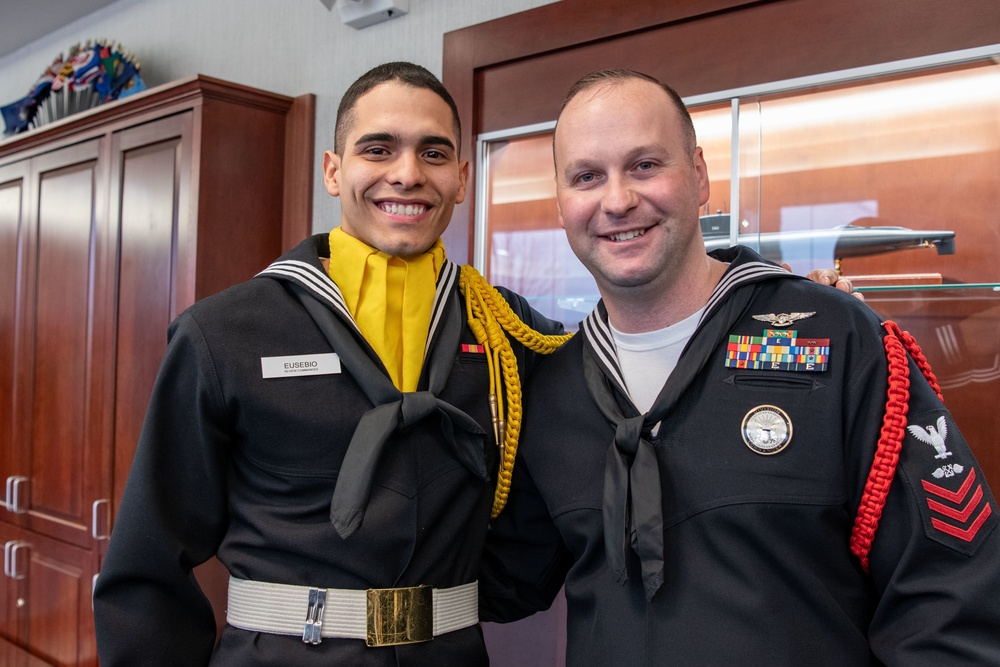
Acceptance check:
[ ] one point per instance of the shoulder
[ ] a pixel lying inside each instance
(238, 308)
(529, 315)
(562, 368)
(827, 303)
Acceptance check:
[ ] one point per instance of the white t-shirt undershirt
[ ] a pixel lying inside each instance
(647, 359)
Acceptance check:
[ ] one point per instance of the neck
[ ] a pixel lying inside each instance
(657, 306)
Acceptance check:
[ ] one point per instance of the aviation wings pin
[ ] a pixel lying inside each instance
(783, 319)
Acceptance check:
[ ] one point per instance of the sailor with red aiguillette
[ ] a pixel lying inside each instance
(729, 465)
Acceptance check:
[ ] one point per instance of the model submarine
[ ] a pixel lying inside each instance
(837, 242)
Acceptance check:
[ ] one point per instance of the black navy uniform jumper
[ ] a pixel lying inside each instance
(756, 566)
(243, 465)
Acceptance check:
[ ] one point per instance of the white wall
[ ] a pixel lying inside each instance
(290, 47)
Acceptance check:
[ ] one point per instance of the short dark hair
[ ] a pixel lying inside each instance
(618, 76)
(404, 72)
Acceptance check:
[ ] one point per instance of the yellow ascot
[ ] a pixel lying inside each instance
(390, 299)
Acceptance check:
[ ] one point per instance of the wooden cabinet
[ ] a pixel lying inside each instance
(46, 591)
(112, 223)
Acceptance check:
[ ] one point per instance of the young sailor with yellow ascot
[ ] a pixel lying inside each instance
(329, 428)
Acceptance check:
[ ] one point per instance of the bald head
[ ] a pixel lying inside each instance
(605, 82)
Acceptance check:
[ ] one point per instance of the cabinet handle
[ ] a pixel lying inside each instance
(94, 532)
(8, 498)
(10, 553)
(6, 557)
(14, 483)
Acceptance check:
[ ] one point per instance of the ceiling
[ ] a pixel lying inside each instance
(24, 21)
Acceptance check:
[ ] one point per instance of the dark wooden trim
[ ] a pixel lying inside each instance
(300, 141)
(570, 23)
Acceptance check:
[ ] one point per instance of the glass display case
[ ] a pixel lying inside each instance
(890, 174)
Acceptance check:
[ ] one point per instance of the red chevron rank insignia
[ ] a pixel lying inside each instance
(956, 507)
(960, 513)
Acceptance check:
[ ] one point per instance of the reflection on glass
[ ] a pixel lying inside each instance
(527, 250)
(917, 155)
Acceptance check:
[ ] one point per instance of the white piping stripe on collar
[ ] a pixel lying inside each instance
(737, 276)
(314, 280)
(603, 345)
(446, 280)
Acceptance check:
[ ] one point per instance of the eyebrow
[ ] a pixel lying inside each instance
(388, 137)
(373, 137)
(435, 140)
(576, 166)
(586, 163)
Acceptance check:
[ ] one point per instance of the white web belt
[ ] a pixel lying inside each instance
(382, 616)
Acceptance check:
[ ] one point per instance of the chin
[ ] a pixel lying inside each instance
(409, 249)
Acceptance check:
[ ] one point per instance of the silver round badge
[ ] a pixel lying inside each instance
(767, 429)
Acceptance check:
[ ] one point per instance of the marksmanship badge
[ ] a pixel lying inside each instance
(767, 429)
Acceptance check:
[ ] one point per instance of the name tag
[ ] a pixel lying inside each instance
(300, 364)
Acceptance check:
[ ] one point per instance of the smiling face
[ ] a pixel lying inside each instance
(399, 175)
(629, 187)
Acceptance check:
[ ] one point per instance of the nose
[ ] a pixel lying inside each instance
(407, 171)
(619, 198)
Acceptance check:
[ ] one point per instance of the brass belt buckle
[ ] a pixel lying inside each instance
(400, 615)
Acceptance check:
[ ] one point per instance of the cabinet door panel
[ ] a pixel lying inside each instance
(9, 590)
(61, 308)
(59, 620)
(150, 194)
(47, 618)
(57, 446)
(12, 655)
(13, 180)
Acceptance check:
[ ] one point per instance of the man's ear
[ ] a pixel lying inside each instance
(704, 188)
(331, 172)
(463, 175)
(559, 215)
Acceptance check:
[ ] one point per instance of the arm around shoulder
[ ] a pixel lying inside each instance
(524, 560)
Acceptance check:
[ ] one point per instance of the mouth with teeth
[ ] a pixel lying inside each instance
(402, 209)
(626, 236)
